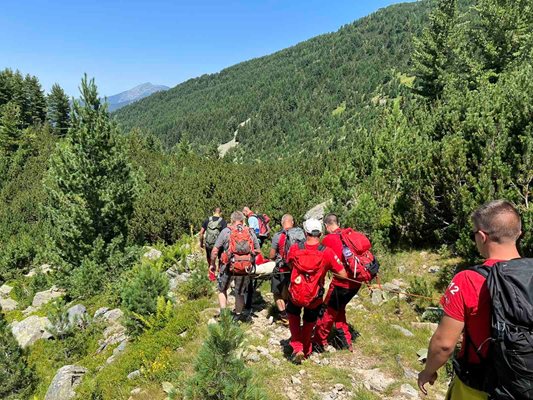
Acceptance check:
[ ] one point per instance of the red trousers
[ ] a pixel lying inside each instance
(336, 300)
(301, 333)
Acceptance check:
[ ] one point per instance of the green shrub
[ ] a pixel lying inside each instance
(140, 289)
(420, 286)
(15, 375)
(198, 284)
(219, 373)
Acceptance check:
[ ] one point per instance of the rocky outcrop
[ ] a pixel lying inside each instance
(152, 254)
(317, 211)
(46, 296)
(43, 269)
(31, 329)
(5, 290)
(115, 332)
(64, 383)
(8, 304)
(77, 315)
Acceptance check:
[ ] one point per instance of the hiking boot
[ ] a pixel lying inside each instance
(283, 320)
(297, 358)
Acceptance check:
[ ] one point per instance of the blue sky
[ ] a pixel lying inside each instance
(125, 43)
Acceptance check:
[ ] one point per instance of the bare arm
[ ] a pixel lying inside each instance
(272, 254)
(201, 234)
(214, 256)
(441, 347)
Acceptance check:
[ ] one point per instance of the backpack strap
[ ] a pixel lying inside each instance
(481, 269)
(301, 245)
(321, 248)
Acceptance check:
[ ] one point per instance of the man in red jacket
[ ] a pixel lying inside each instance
(340, 292)
(467, 305)
(298, 255)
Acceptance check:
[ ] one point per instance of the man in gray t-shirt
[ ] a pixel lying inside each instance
(224, 277)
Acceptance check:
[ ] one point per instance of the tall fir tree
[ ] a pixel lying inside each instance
(58, 110)
(15, 374)
(432, 55)
(34, 104)
(91, 189)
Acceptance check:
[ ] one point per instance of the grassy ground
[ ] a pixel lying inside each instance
(168, 355)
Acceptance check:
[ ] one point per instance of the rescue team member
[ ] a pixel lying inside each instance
(252, 220)
(340, 292)
(224, 277)
(467, 305)
(211, 228)
(281, 278)
(309, 263)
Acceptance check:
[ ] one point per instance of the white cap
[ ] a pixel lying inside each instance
(313, 226)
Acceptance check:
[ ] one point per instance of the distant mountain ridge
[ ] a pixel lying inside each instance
(129, 96)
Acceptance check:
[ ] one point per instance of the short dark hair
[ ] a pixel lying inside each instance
(331, 219)
(499, 219)
(217, 210)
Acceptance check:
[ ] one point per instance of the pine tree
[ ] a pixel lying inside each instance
(10, 128)
(503, 32)
(91, 189)
(15, 375)
(220, 374)
(34, 105)
(58, 110)
(432, 56)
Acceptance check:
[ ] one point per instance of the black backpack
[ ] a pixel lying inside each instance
(510, 359)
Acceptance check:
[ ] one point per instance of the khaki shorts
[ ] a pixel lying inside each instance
(224, 281)
(459, 391)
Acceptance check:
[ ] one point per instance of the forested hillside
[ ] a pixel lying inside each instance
(405, 137)
(304, 97)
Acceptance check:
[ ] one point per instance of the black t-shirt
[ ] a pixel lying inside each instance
(223, 224)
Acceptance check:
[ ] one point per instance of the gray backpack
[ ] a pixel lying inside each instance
(294, 235)
(212, 231)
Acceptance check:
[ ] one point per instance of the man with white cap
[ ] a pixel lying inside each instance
(309, 263)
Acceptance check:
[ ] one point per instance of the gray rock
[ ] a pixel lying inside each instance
(409, 391)
(28, 310)
(152, 254)
(377, 297)
(65, 382)
(317, 211)
(8, 304)
(339, 387)
(135, 391)
(405, 332)
(5, 290)
(77, 315)
(295, 380)
(113, 316)
(374, 379)
(100, 312)
(31, 329)
(120, 348)
(113, 334)
(135, 374)
(422, 355)
(167, 387)
(253, 357)
(44, 269)
(433, 270)
(432, 326)
(401, 269)
(46, 296)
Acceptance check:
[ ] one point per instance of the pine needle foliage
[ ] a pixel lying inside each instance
(15, 374)
(91, 189)
(220, 373)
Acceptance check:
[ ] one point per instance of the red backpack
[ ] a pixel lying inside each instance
(264, 227)
(240, 256)
(359, 261)
(307, 271)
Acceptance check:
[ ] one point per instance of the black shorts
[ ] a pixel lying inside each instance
(224, 280)
(279, 283)
(339, 297)
(310, 314)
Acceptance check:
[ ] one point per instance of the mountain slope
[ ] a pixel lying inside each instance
(129, 96)
(301, 97)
